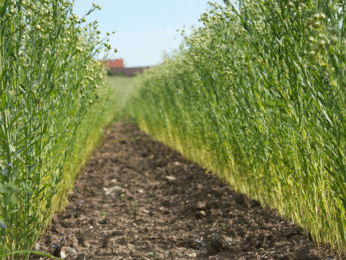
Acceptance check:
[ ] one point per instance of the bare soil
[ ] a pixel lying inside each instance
(139, 199)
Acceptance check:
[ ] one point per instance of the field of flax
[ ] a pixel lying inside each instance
(48, 90)
(258, 97)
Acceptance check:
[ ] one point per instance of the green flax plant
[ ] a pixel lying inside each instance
(258, 98)
(48, 82)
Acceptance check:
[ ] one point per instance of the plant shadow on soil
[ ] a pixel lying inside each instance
(138, 199)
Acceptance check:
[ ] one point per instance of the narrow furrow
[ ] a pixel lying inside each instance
(139, 199)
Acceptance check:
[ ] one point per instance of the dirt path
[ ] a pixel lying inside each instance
(170, 208)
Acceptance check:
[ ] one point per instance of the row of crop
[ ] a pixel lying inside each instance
(48, 83)
(259, 98)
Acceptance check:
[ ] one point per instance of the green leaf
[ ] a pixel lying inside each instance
(3, 101)
(27, 251)
(3, 74)
(317, 104)
(14, 119)
(21, 89)
(328, 118)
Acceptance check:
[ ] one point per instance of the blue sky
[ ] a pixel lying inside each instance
(144, 29)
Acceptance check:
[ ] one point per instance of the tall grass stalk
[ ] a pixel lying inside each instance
(48, 85)
(259, 96)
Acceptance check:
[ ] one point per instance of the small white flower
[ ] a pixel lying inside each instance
(322, 43)
(316, 24)
(312, 53)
